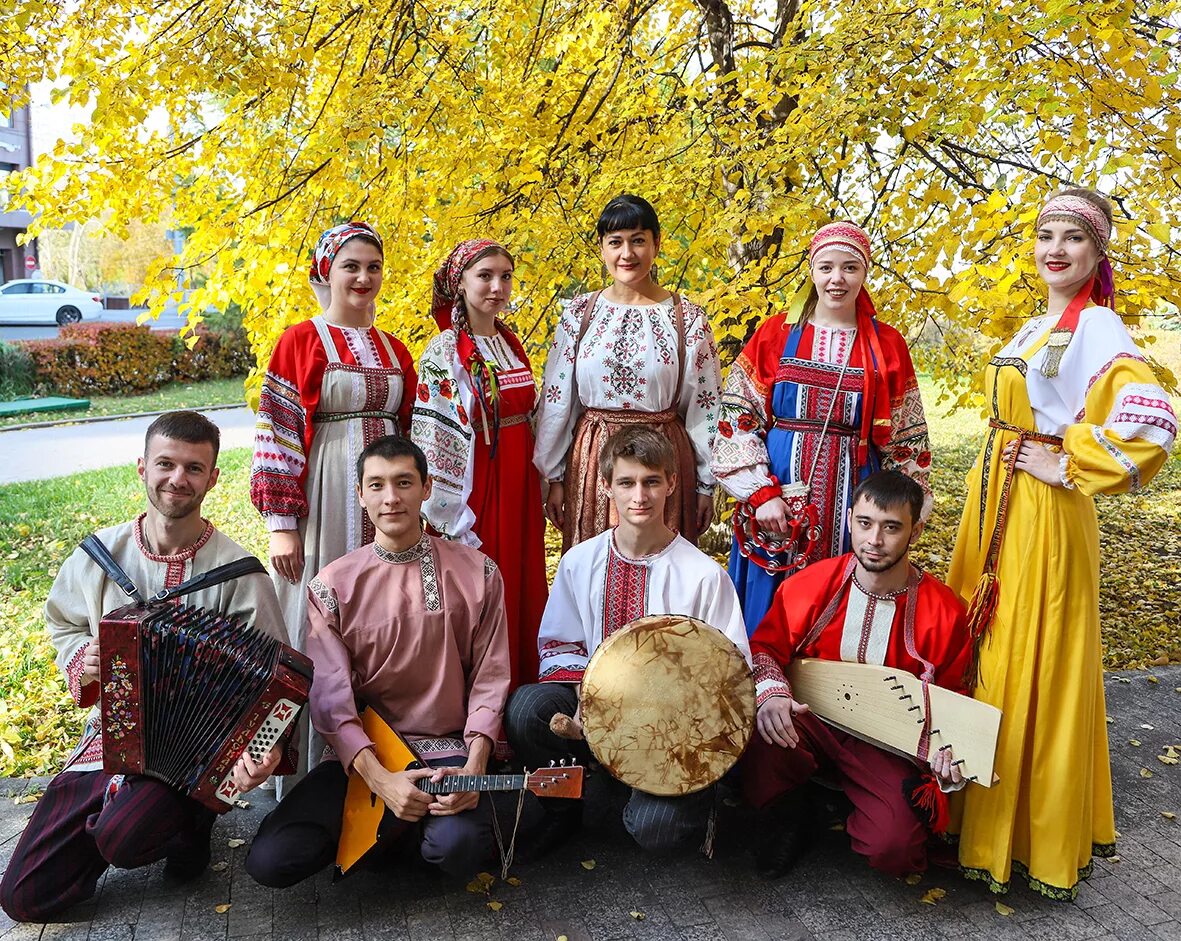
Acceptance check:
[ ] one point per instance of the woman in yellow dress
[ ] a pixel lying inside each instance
(1075, 411)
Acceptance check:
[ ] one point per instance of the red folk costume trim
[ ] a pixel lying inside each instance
(83, 695)
(625, 591)
(175, 574)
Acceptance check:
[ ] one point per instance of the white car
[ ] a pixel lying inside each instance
(42, 301)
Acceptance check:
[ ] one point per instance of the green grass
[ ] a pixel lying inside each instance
(42, 522)
(172, 396)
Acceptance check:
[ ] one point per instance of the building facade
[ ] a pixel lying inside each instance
(16, 153)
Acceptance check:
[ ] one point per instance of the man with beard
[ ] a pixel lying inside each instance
(868, 606)
(87, 819)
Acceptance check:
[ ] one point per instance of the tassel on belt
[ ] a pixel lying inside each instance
(982, 608)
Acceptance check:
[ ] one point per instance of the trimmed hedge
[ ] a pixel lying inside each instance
(107, 358)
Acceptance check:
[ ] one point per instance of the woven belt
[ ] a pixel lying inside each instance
(628, 416)
(349, 416)
(806, 425)
(1024, 433)
(506, 422)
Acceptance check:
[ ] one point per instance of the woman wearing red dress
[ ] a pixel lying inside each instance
(473, 420)
(335, 383)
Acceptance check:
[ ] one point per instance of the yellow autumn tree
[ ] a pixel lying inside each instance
(254, 124)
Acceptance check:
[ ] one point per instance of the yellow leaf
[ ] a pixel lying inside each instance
(588, 864)
(914, 878)
(1145, 773)
(1153, 679)
(931, 896)
(638, 916)
(234, 844)
(1135, 743)
(1161, 231)
(1168, 815)
(1166, 760)
(495, 906)
(1003, 909)
(220, 867)
(223, 908)
(1113, 859)
(513, 880)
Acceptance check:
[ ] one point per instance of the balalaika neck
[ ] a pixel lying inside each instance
(455, 783)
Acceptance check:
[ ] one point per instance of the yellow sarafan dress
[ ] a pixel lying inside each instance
(1041, 662)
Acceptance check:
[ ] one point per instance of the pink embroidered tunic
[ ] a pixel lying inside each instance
(417, 635)
(82, 594)
(598, 590)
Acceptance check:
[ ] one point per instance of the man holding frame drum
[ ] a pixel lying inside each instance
(637, 570)
(868, 606)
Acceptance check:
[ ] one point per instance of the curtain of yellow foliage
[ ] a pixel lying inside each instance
(254, 124)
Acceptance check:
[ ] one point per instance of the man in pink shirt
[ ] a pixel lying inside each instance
(414, 627)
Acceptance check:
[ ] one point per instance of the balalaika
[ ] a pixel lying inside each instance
(185, 691)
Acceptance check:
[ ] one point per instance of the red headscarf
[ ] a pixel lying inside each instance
(875, 404)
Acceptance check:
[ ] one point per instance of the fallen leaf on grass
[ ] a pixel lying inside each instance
(1003, 909)
(234, 844)
(495, 906)
(1166, 759)
(1168, 815)
(223, 908)
(914, 878)
(219, 867)
(931, 896)
(1145, 773)
(588, 864)
(513, 880)
(638, 916)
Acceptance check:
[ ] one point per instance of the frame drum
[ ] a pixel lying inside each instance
(668, 704)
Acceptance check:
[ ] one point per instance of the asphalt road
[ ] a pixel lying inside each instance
(168, 321)
(41, 453)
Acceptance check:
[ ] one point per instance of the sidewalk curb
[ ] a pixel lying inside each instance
(98, 418)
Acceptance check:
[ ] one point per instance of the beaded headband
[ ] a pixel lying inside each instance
(844, 236)
(1083, 212)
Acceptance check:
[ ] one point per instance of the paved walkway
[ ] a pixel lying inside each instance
(38, 453)
(626, 895)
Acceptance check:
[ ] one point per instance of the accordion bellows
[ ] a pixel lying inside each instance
(186, 691)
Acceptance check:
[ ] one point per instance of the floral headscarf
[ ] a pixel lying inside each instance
(1088, 217)
(445, 292)
(330, 243)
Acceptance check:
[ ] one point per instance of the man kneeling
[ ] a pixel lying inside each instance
(87, 819)
(639, 568)
(869, 606)
(414, 627)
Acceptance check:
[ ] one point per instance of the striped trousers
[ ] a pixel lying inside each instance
(657, 824)
(77, 831)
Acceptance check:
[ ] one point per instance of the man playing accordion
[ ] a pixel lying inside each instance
(87, 819)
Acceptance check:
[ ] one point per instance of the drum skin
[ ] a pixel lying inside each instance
(668, 704)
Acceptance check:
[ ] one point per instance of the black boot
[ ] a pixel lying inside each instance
(790, 826)
(562, 820)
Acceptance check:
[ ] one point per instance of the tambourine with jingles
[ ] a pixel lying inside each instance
(667, 704)
(785, 552)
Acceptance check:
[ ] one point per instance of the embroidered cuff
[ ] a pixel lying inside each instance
(770, 680)
(279, 523)
(1064, 471)
(84, 694)
(763, 494)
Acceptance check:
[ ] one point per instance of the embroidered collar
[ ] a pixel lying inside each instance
(183, 556)
(644, 559)
(413, 554)
(911, 582)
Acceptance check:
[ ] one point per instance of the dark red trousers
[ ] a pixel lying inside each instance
(73, 837)
(882, 827)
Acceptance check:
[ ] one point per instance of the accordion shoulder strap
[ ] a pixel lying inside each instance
(223, 573)
(94, 547)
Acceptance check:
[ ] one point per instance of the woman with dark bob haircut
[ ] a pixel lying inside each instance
(633, 353)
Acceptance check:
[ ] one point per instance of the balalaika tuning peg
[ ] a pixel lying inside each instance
(553, 764)
(562, 763)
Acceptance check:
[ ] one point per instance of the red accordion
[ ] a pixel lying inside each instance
(185, 691)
